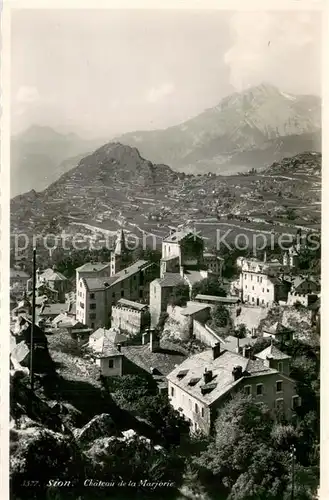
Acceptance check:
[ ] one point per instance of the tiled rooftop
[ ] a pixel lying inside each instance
(93, 266)
(272, 352)
(171, 279)
(222, 376)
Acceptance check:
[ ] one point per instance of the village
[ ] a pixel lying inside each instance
(179, 323)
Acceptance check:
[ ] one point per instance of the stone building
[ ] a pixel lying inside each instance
(53, 280)
(19, 278)
(153, 358)
(160, 291)
(96, 296)
(131, 317)
(200, 385)
(304, 290)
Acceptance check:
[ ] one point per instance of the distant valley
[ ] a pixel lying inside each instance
(116, 187)
(40, 155)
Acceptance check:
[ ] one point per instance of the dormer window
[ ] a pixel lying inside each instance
(182, 374)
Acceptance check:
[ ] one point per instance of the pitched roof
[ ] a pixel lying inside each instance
(210, 254)
(170, 279)
(193, 308)
(52, 275)
(106, 282)
(194, 276)
(272, 352)
(93, 266)
(177, 236)
(231, 342)
(131, 304)
(52, 309)
(108, 341)
(64, 320)
(18, 273)
(164, 361)
(215, 298)
(222, 376)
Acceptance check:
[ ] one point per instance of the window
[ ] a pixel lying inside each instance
(259, 389)
(253, 299)
(93, 325)
(262, 301)
(279, 404)
(279, 386)
(82, 305)
(190, 404)
(247, 389)
(251, 277)
(92, 296)
(268, 290)
(111, 363)
(92, 306)
(172, 392)
(246, 287)
(113, 295)
(245, 276)
(92, 316)
(155, 290)
(202, 412)
(253, 288)
(280, 366)
(196, 408)
(261, 280)
(263, 290)
(295, 402)
(80, 284)
(257, 279)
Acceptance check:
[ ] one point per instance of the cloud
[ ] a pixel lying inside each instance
(269, 47)
(27, 95)
(158, 93)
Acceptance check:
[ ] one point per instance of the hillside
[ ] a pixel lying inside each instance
(40, 155)
(116, 187)
(255, 127)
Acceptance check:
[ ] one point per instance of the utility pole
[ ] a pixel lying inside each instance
(33, 319)
(293, 451)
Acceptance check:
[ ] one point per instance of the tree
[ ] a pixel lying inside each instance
(220, 317)
(208, 286)
(240, 460)
(179, 295)
(241, 331)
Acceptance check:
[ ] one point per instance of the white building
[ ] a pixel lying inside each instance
(95, 296)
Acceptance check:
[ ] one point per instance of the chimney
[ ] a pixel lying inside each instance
(207, 376)
(246, 351)
(216, 350)
(237, 350)
(237, 372)
(154, 341)
(145, 337)
(119, 347)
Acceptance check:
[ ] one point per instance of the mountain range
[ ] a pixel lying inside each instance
(40, 155)
(252, 128)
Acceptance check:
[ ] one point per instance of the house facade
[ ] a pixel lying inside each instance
(96, 296)
(200, 385)
(303, 290)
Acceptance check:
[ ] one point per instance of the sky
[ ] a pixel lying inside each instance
(100, 73)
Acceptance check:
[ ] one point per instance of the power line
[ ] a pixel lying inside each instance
(33, 319)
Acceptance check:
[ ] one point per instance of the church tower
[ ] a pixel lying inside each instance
(119, 254)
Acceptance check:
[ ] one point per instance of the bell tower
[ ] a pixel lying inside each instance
(119, 253)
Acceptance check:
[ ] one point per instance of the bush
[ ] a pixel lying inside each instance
(180, 295)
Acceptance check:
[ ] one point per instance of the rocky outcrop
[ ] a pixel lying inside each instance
(98, 427)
